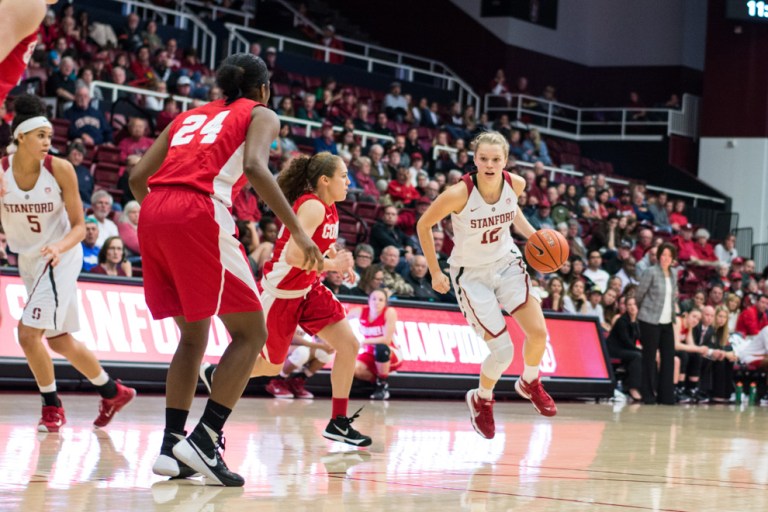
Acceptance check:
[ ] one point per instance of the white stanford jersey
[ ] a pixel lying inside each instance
(35, 218)
(753, 348)
(481, 231)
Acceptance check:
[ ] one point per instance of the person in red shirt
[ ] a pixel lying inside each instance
(686, 247)
(407, 220)
(19, 23)
(136, 143)
(677, 218)
(364, 180)
(703, 252)
(644, 242)
(328, 39)
(400, 190)
(753, 318)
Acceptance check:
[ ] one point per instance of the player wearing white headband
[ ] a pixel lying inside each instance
(19, 21)
(42, 215)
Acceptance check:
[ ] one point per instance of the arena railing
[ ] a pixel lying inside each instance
(595, 123)
(203, 39)
(312, 125)
(557, 174)
(112, 92)
(240, 42)
(215, 10)
(370, 50)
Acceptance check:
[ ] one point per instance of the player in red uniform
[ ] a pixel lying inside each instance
(293, 297)
(19, 21)
(381, 356)
(194, 266)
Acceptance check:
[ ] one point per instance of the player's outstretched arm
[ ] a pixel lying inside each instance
(263, 129)
(18, 19)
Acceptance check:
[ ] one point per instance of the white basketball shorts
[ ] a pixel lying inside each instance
(480, 291)
(52, 292)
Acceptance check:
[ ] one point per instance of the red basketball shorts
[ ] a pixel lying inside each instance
(318, 309)
(192, 263)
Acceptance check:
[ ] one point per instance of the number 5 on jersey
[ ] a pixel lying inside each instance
(192, 124)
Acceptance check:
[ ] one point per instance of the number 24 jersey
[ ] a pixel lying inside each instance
(206, 148)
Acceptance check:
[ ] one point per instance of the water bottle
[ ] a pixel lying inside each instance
(753, 393)
(739, 392)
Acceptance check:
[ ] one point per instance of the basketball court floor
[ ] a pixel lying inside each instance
(425, 457)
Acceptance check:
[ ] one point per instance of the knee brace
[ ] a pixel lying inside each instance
(322, 356)
(299, 356)
(502, 352)
(381, 353)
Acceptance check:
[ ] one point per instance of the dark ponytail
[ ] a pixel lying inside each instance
(240, 74)
(26, 107)
(302, 173)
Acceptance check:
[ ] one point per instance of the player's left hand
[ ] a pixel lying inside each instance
(52, 253)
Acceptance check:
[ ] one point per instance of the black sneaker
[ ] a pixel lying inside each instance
(382, 390)
(682, 396)
(166, 463)
(340, 429)
(206, 375)
(700, 397)
(200, 451)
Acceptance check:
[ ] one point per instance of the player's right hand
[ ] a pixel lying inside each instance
(313, 258)
(441, 283)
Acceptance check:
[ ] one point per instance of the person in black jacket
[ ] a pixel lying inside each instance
(622, 344)
(385, 232)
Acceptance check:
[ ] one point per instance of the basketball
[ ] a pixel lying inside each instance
(546, 250)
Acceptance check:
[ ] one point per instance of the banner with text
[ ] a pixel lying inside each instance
(116, 324)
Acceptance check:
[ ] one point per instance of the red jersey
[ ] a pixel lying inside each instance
(15, 63)
(205, 150)
(372, 328)
(278, 274)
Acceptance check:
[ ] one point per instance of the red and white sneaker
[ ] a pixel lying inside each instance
(52, 420)
(279, 389)
(534, 392)
(111, 406)
(481, 414)
(296, 385)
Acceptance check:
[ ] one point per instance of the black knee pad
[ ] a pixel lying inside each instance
(381, 353)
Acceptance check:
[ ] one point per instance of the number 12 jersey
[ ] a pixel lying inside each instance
(481, 231)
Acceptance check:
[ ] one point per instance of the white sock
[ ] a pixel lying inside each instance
(49, 388)
(530, 373)
(484, 393)
(101, 379)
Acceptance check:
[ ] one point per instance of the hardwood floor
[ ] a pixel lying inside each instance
(425, 457)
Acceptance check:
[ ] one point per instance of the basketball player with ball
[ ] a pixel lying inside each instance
(487, 269)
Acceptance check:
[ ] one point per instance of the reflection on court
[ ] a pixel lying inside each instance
(425, 457)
